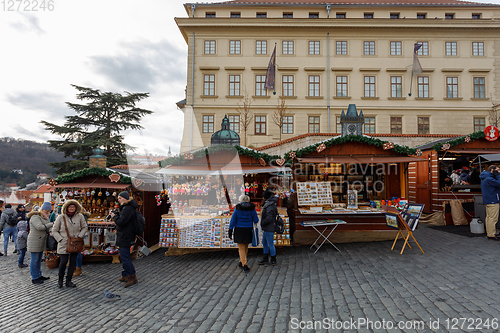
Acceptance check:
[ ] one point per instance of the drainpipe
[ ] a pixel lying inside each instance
(328, 76)
(192, 97)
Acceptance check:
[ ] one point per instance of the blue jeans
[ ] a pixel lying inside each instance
(12, 231)
(36, 260)
(79, 260)
(268, 243)
(128, 267)
(22, 253)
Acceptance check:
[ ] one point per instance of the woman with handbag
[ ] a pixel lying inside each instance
(37, 240)
(242, 222)
(69, 224)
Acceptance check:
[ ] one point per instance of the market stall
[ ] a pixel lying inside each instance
(204, 186)
(431, 183)
(97, 190)
(349, 178)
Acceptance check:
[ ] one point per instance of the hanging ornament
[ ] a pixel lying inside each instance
(137, 182)
(262, 162)
(446, 146)
(188, 156)
(280, 161)
(100, 194)
(467, 139)
(388, 145)
(52, 182)
(107, 193)
(64, 193)
(292, 154)
(320, 148)
(114, 177)
(419, 152)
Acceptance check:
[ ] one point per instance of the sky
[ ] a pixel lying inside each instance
(112, 45)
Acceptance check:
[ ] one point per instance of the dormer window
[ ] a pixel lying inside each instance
(394, 15)
(287, 15)
(340, 15)
(476, 16)
(313, 15)
(236, 15)
(210, 15)
(261, 15)
(449, 16)
(368, 15)
(421, 15)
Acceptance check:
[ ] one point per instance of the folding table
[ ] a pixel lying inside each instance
(323, 223)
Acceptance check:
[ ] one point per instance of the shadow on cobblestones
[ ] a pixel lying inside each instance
(206, 292)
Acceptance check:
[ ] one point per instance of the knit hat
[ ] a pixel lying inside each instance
(20, 206)
(46, 206)
(8, 206)
(267, 194)
(124, 195)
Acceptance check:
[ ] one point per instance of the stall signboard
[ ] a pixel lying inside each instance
(314, 193)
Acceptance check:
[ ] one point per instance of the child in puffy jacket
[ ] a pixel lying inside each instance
(22, 242)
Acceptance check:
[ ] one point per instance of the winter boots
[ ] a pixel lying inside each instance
(124, 278)
(77, 271)
(264, 260)
(272, 262)
(132, 279)
(60, 281)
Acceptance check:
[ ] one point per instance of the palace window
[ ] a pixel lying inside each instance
(479, 124)
(314, 85)
(451, 48)
(342, 86)
(396, 86)
(208, 124)
(479, 87)
(287, 46)
(396, 125)
(287, 85)
(478, 49)
(260, 83)
(234, 85)
(423, 125)
(234, 123)
(369, 125)
(369, 86)
(423, 86)
(209, 47)
(260, 125)
(341, 47)
(313, 124)
(369, 48)
(235, 47)
(424, 50)
(396, 49)
(209, 84)
(261, 47)
(287, 125)
(314, 47)
(452, 87)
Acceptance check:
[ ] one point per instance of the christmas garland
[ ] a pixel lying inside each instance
(460, 140)
(178, 160)
(349, 138)
(69, 177)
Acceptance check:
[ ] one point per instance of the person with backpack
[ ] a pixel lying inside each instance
(242, 221)
(70, 222)
(22, 242)
(268, 224)
(8, 224)
(126, 220)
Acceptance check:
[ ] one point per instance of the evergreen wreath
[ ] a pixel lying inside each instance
(350, 138)
(460, 140)
(69, 177)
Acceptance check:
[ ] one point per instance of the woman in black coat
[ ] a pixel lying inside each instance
(125, 236)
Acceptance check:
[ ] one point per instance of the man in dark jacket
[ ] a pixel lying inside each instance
(490, 186)
(268, 224)
(125, 236)
(8, 224)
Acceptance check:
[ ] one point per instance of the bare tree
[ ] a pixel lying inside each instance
(493, 117)
(245, 113)
(279, 114)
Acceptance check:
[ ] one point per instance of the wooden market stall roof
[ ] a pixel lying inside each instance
(93, 178)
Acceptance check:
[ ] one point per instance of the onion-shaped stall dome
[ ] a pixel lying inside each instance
(225, 135)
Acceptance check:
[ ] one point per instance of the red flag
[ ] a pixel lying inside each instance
(271, 71)
(417, 69)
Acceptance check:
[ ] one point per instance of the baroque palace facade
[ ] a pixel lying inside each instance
(330, 54)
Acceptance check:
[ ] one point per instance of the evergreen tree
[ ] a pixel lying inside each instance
(98, 123)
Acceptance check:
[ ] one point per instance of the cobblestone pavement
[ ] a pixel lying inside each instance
(457, 277)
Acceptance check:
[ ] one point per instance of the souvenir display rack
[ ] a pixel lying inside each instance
(208, 232)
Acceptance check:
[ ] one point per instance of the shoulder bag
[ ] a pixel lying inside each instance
(51, 241)
(74, 244)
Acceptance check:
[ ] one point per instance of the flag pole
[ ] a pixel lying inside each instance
(416, 68)
(411, 82)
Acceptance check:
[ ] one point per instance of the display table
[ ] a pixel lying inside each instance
(333, 224)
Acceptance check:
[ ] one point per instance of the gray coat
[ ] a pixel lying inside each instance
(37, 238)
(5, 218)
(22, 235)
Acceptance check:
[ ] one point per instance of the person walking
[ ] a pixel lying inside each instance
(490, 186)
(1, 205)
(125, 236)
(8, 224)
(37, 240)
(79, 257)
(268, 224)
(241, 225)
(22, 242)
(21, 216)
(70, 222)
